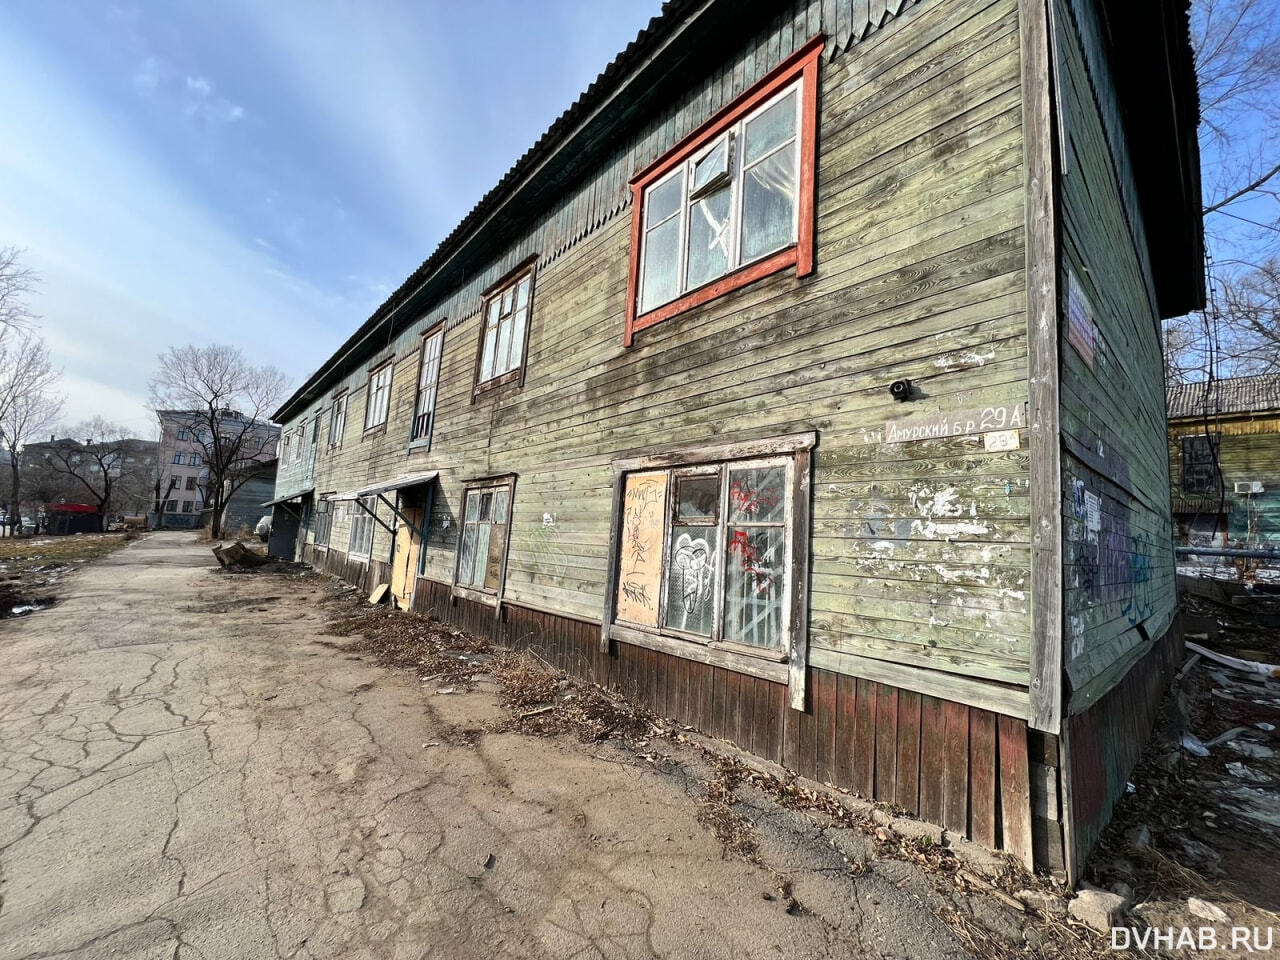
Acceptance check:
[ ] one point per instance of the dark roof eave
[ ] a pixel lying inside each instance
(639, 55)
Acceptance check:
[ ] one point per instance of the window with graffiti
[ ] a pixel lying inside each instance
(704, 552)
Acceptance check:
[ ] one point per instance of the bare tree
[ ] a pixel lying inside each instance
(102, 468)
(28, 404)
(17, 282)
(224, 402)
(1237, 45)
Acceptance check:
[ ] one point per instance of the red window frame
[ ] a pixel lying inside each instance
(801, 65)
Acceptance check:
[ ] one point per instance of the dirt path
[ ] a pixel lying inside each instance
(189, 767)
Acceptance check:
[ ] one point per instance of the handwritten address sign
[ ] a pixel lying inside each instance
(957, 424)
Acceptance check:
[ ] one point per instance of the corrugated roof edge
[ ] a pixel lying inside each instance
(1232, 395)
(631, 56)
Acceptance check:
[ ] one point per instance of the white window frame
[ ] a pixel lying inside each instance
(736, 177)
(337, 420)
(360, 536)
(431, 355)
(515, 360)
(379, 387)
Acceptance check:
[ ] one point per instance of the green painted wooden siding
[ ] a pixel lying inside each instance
(1118, 576)
(920, 549)
(1248, 451)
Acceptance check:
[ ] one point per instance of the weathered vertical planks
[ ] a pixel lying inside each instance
(955, 780)
(983, 769)
(864, 738)
(1015, 790)
(886, 744)
(907, 788)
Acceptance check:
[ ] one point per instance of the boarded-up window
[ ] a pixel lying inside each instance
(705, 552)
(644, 510)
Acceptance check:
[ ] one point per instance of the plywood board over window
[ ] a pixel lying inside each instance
(710, 556)
(640, 569)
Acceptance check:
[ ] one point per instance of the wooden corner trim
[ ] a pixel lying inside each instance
(1042, 253)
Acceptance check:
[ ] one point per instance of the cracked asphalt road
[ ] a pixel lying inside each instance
(190, 768)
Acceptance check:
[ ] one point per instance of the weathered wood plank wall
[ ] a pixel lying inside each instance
(1248, 451)
(920, 549)
(1120, 590)
(1120, 595)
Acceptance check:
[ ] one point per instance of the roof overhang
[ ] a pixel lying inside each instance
(670, 53)
(1150, 55)
(297, 495)
(386, 486)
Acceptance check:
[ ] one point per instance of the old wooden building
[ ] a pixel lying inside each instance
(1224, 451)
(804, 380)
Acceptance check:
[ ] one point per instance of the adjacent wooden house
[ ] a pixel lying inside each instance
(804, 380)
(1224, 451)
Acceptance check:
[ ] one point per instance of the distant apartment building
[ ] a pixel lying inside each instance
(71, 471)
(187, 447)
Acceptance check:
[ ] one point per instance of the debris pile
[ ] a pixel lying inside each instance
(235, 557)
(1194, 839)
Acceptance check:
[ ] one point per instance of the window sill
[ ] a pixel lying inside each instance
(767, 666)
(478, 596)
(372, 432)
(743, 276)
(496, 383)
(358, 557)
(423, 444)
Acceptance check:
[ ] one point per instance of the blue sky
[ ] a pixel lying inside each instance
(260, 173)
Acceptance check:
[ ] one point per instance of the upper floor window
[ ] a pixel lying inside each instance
(179, 458)
(298, 443)
(732, 203)
(195, 460)
(506, 323)
(184, 434)
(337, 420)
(424, 406)
(1199, 464)
(378, 401)
(191, 483)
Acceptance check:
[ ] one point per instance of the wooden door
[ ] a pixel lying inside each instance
(404, 565)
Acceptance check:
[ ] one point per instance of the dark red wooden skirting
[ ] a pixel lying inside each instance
(955, 765)
(1105, 741)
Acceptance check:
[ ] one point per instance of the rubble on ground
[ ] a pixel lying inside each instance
(1203, 819)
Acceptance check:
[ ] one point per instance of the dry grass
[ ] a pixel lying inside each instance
(542, 701)
(23, 554)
